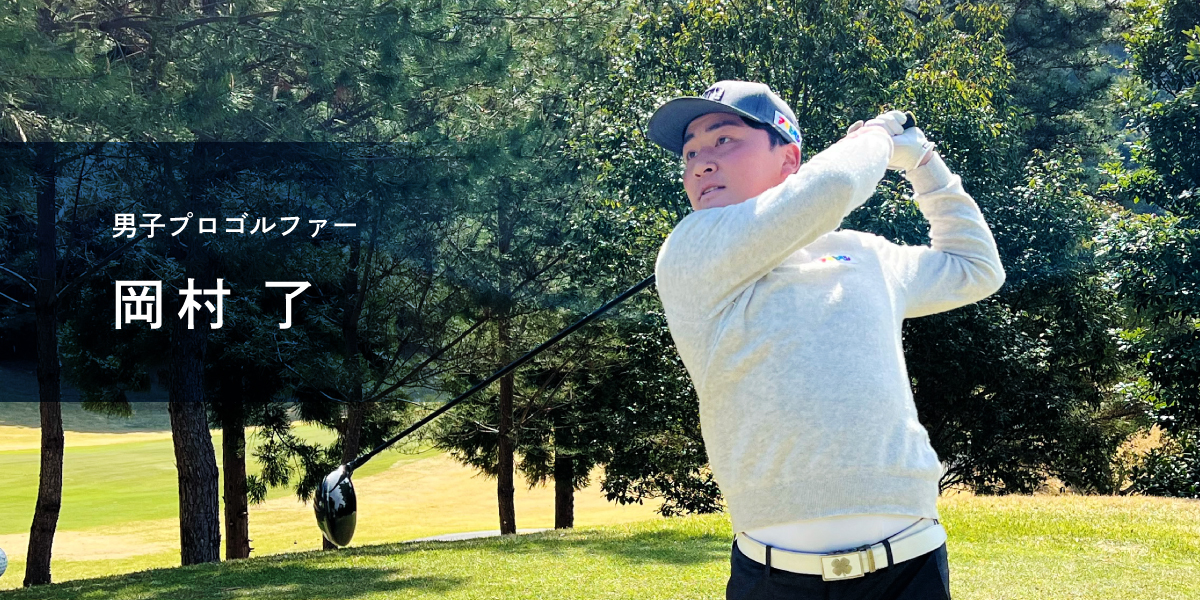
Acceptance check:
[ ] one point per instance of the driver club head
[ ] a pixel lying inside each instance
(337, 506)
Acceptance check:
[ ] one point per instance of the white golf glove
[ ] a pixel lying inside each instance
(909, 145)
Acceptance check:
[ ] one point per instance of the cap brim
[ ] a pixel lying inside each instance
(668, 124)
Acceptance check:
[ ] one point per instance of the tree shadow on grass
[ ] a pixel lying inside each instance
(307, 577)
(356, 572)
(666, 547)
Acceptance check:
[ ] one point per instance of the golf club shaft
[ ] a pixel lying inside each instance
(358, 462)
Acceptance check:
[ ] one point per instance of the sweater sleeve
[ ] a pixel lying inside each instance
(961, 265)
(714, 254)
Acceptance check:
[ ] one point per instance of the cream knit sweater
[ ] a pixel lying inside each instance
(790, 331)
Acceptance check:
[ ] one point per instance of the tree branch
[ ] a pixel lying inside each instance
(92, 269)
(216, 19)
(403, 380)
(289, 367)
(14, 299)
(18, 276)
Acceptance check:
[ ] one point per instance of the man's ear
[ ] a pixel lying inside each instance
(791, 159)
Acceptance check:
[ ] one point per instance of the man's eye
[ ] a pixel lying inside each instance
(722, 139)
(690, 154)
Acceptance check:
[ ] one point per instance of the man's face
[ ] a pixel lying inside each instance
(727, 161)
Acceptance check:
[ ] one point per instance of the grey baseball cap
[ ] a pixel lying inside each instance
(746, 98)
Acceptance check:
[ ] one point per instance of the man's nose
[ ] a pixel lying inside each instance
(704, 166)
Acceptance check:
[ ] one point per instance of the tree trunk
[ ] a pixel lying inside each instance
(356, 412)
(505, 489)
(351, 432)
(564, 491)
(351, 313)
(195, 458)
(352, 437)
(49, 499)
(233, 457)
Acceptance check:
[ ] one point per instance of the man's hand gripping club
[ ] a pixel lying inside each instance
(911, 149)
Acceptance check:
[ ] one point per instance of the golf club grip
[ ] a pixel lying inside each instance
(910, 121)
(358, 462)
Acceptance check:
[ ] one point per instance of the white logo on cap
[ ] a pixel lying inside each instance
(713, 93)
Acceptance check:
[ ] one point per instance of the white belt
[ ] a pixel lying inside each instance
(924, 537)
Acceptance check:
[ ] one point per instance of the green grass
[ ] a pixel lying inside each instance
(1000, 548)
(120, 500)
(1075, 547)
(120, 483)
(659, 559)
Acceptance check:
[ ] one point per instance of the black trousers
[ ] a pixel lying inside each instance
(925, 577)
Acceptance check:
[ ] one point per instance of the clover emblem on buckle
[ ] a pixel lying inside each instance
(841, 566)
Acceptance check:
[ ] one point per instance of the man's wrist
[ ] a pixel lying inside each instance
(930, 176)
(865, 129)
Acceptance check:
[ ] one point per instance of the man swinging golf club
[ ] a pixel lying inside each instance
(790, 329)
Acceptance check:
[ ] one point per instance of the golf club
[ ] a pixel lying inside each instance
(336, 504)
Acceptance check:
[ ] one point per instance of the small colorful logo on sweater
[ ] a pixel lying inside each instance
(835, 258)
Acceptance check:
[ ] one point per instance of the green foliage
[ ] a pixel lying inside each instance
(521, 248)
(1152, 257)
(117, 408)
(1062, 59)
(45, 78)
(1153, 264)
(1172, 469)
(296, 71)
(1158, 43)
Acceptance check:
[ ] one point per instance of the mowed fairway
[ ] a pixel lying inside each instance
(1017, 548)
(120, 503)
